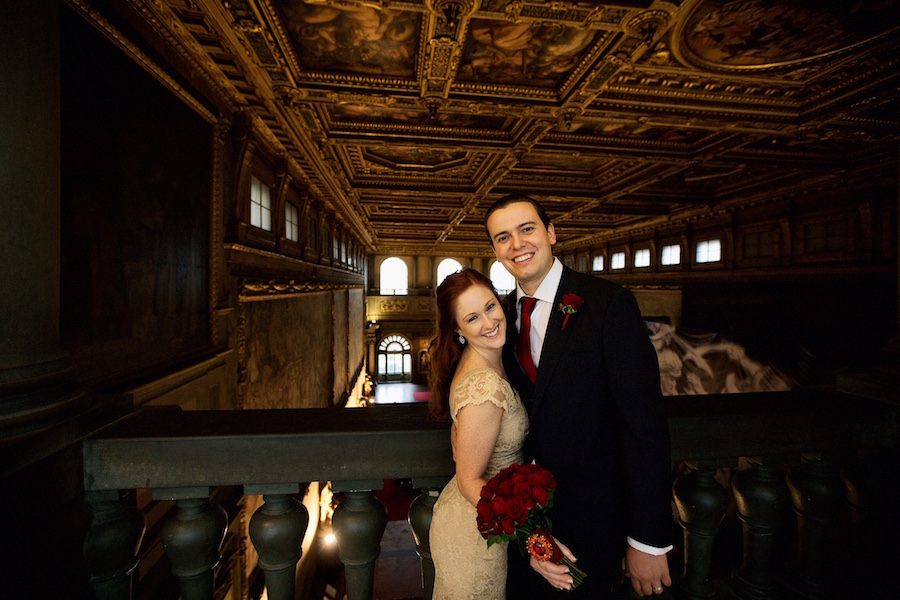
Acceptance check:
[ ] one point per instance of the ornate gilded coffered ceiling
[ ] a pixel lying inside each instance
(409, 118)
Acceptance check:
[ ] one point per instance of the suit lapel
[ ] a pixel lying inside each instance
(555, 341)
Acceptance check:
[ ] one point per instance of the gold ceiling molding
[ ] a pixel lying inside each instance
(408, 118)
(255, 291)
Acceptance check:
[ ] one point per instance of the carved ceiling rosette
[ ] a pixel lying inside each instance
(648, 26)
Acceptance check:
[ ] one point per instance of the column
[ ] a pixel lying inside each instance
(192, 540)
(762, 500)
(37, 382)
(112, 544)
(276, 530)
(819, 496)
(359, 522)
(701, 503)
(421, 512)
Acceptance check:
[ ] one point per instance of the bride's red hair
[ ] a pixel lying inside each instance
(445, 348)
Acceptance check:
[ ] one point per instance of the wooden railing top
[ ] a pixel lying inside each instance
(168, 448)
(165, 447)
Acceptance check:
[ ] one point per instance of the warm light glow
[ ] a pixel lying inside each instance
(329, 539)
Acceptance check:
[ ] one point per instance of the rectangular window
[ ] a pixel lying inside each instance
(598, 263)
(642, 258)
(582, 264)
(760, 244)
(617, 261)
(709, 251)
(291, 223)
(671, 255)
(260, 204)
(828, 236)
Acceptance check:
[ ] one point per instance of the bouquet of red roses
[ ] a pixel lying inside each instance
(514, 505)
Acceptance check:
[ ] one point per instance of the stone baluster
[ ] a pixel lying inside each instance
(420, 513)
(192, 539)
(701, 503)
(276, 530)
(762, 500)
(359, 522)
(819, 497)
(111, 545)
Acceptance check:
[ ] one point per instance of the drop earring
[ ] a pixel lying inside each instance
(462, 340)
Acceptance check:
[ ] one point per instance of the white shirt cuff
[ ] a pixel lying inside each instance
(648, 549)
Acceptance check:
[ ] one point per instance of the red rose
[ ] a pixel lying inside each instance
(521, 490)
(505, 488)
(540, 495)
(508, 527)
(515, 510)
(484, 510)
(498, 505)
(490, 487)
(569, 305)
(543, 478)
(573, 300)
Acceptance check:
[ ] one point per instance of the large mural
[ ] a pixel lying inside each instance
(763, 32)
(352, 38)
(523, 53)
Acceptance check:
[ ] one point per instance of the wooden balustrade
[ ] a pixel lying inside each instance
(793, 442)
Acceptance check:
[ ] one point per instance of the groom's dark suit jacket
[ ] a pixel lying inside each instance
(597, 422)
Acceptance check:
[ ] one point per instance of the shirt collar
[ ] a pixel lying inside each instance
(546, 292)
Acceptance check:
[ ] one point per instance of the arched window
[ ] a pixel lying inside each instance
(394, 277)
(394, 359)
(502, 279)
(448, 266)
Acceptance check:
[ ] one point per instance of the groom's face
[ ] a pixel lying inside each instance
(522, 244)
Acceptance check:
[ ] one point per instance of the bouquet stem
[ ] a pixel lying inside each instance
(577, 574)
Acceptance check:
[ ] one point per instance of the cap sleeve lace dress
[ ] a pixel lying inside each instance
(465, 569)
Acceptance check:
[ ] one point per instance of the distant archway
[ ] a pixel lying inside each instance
(448, 266)
(502, 279)
(394, 359)
(394, 277)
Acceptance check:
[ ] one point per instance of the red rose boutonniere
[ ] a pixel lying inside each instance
(513, 507)
(570, 305)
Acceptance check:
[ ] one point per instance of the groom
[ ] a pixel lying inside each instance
(589, 376)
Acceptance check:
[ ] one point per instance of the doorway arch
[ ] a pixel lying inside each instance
(394, 359)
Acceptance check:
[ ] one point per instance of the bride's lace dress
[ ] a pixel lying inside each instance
(465, 569)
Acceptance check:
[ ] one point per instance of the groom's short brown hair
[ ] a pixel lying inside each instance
(512, 199)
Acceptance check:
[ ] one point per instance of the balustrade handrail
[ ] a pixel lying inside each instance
(165, 447)
(160, 447)
(183, 454)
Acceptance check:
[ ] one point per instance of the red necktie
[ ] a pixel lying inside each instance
(523, 345)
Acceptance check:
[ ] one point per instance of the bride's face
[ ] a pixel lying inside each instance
(480, 318)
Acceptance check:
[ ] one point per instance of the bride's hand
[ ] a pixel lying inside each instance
(556, 575)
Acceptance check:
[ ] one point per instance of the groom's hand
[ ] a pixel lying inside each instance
(556, 575)
(649, 574)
